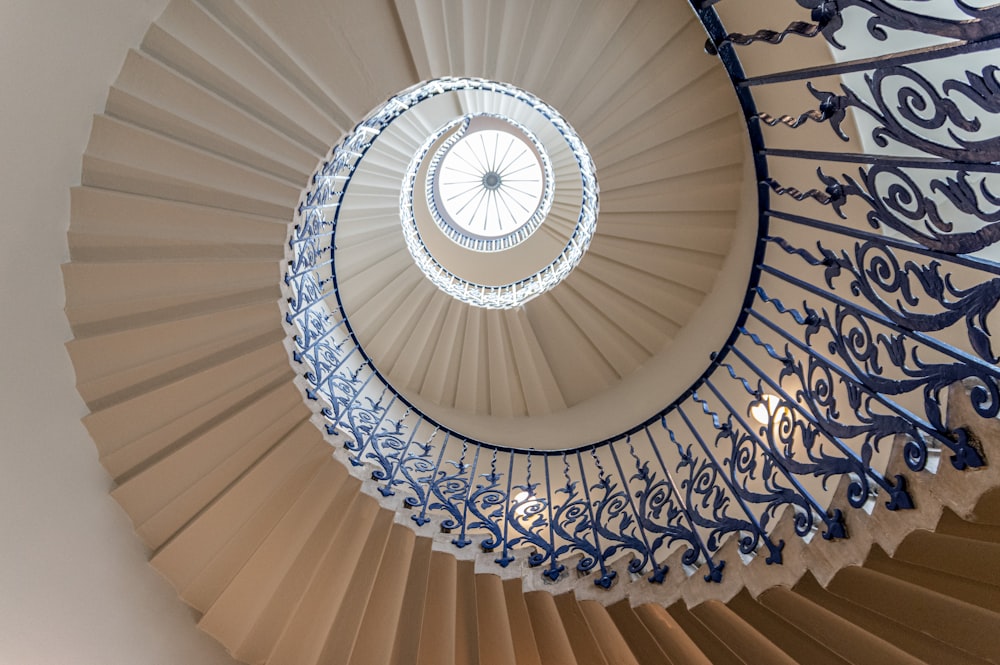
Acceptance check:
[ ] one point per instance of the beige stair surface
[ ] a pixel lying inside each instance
(177, 242)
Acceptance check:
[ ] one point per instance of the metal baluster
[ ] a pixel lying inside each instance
(607, 577)
(834, 523)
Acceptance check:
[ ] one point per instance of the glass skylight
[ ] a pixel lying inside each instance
(490, 183)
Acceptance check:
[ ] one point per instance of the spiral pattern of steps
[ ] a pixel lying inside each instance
(670, 197)
(177, 243)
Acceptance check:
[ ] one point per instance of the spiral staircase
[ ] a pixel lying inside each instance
(258, 498)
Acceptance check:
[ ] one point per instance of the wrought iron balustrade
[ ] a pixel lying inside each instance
(874, 290)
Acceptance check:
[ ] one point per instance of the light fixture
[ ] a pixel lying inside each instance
(521, 500)
(766, 409)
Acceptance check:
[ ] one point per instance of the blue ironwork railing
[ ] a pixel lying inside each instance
(873, 292)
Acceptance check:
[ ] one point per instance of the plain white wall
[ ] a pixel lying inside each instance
(75, 588)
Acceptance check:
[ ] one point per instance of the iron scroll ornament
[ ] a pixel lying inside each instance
(826, 19)
(918, 107)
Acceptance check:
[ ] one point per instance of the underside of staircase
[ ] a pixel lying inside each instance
(177, 242)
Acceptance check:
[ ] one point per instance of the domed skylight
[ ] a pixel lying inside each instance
(491, 187)
(485, 181)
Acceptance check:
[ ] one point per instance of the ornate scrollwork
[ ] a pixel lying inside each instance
(851, 340)
(615, 523)
(486, 503)
(388, 446)
(417, 469)
(899, 203)
(876, 274)
(815, 414)
(573, 523)
(449, 491)
(828, 21)
(709, 495)
(806, 435)
(905, 119)
(664, 516)
(980, 24)
(753, 465)
(527, 516)
(854, 343)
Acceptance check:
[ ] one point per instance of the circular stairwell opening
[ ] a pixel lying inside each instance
(490, 187)
(499, 303)
(479, 187)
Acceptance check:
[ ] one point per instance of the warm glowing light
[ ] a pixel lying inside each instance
(522, 499)
(763, 412)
